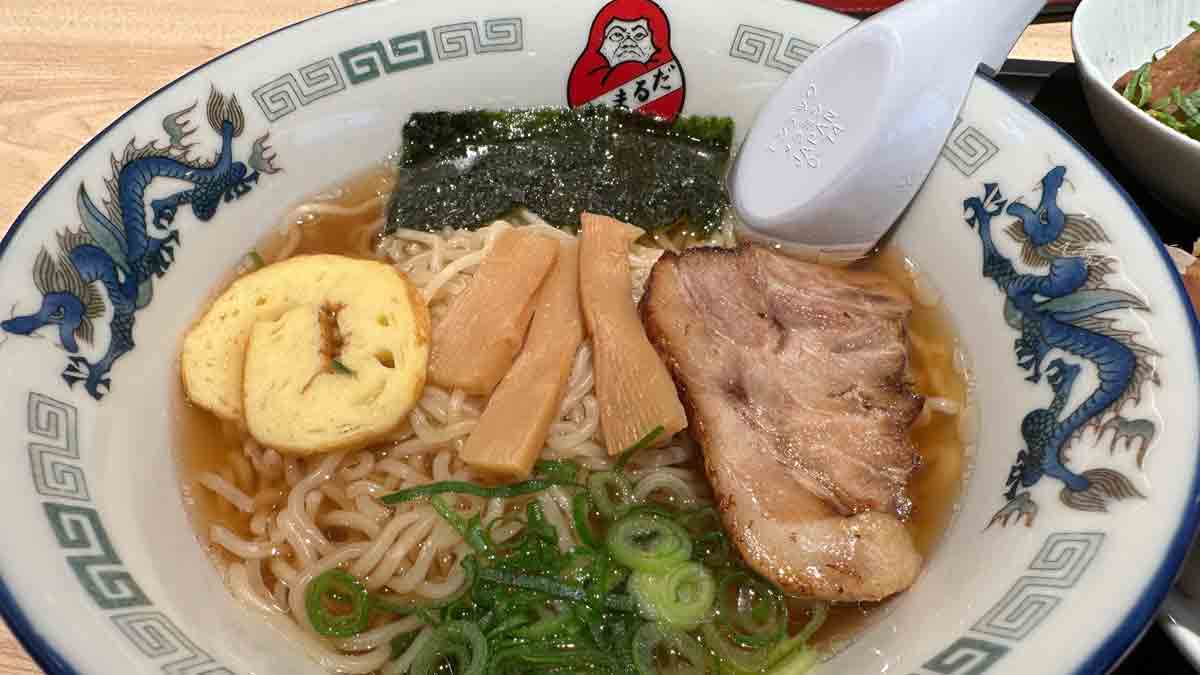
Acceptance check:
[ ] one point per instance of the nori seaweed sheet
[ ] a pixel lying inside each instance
(465, 169)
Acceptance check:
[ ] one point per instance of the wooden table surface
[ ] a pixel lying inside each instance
(69, 67)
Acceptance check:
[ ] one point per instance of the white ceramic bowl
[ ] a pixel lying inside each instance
(1110, 38)
(101, 572)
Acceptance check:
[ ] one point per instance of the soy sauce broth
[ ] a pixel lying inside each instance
(347, 219)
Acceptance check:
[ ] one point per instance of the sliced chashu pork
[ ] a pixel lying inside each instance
(794, 379)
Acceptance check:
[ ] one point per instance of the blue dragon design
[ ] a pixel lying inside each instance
(1065, 311)
(113, 259)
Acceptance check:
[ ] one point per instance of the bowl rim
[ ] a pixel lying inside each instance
(1103, 658)
(1091, 72)
(32, 640)
(1137, 621)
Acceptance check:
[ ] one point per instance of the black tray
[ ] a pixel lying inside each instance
(1054, 89)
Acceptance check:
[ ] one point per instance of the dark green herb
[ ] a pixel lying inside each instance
(341, 368)
(642, 444)
(471, 167)
(1137, 91)
(652, 589)
(557, 469)
(458, 643)
(461, 487)
(401, 643)
(471, 529)
(653, 641)
(554, 588)
(1177, 110)
(581, 513)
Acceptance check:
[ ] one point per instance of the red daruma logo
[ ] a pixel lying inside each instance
(628, 62)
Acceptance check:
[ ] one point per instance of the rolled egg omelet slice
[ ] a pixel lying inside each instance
(313, 354)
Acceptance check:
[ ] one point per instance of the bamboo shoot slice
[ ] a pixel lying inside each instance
(474, 346)
(635, 392)
(512, 431)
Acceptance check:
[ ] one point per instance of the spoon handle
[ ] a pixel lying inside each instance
(976, 31)
(841, 148)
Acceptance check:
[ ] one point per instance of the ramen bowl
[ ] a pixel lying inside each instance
(1066, 308)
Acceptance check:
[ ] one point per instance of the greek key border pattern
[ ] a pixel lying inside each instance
(1055, 570)
(770, 48)
(159, 639)
(58, 476)
(459, 40)
(367, 62)
(287, 93)
(968, 148)
(54, 449)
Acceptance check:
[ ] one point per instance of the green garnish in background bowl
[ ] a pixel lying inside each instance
(1178, 109)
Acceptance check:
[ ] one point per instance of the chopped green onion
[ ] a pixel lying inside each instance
(337, 586)
(593, 569)
(658, 651)
(551, 620)
(516, 620)
(1187, 104)
(557, 469)
(497, 523)
(553, 587)
(661, 510)
(648, 542)
(642, 444)
(710, 545)
(799, 641)
(1137, 91)
(465, 488)
(402, 642)
(553, 656)
(820, 612)
(798, 662)
(340, 368)
(733, 656)
(1144, 91)
(681, 598)
(526, 606)
(1130, 91)
(1169, 120)
(1194, 25)
(753, 610)
(713, 549)
(793, 656)
(610, 492)
(581, 511)
(471, 530)
(458, 642)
